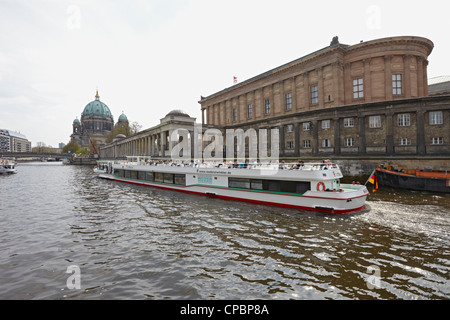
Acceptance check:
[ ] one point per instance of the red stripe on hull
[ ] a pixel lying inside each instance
(245, 200)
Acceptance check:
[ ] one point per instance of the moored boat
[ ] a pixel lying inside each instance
(7, 166)
(418, 180)
(309, 186)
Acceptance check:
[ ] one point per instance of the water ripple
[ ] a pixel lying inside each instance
(132, 242)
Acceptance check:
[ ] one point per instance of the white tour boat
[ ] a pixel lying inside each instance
(7, 166)
(308, 186)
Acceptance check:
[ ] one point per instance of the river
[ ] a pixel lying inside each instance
(65, 234)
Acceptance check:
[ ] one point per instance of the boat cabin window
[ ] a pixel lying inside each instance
(149, 176)
(141, 175)
(119, 173)
(168, 178)
(180, 179)
(133, 174)
(298, 187)
(302, 186)
(239, 183)
(159, 177)
(257, 184)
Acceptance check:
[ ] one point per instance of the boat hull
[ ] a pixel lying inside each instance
(412, 182)
(330, 202)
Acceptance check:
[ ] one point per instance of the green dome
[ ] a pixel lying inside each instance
(123, 117)
(97, 108)
(76, 121)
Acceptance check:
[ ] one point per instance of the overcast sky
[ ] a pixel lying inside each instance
(148, 57)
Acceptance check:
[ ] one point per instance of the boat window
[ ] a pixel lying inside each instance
(180, 179)
(119, 173)
(133, 174)
(159, 177)
(288, 186)
(168, 177)
(127, 174)
(303, 186)
(141, 175)
(272, 185)
(149, 176)
(239, 183)
(257, 184)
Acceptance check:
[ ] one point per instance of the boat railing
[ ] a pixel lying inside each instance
(235, 165)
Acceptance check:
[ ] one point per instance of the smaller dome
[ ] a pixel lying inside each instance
(76, 121)
(119, 137)
(123, 117)
(178, 113)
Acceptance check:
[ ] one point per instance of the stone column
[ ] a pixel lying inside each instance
(297, 139)
(388, 76)
(420, 84)
(390, 132)
(337, 136)
(420, 127)
(315, 137)
(362, 134)
(162, 144)
(367, 81)
(307, 90)
(321, 90)
(282, 142)
(407, 73)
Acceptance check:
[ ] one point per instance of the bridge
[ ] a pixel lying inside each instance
(34, 156)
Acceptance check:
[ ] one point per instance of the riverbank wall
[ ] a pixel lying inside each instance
(361, 166)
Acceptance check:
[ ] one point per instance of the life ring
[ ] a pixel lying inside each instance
(321, 186)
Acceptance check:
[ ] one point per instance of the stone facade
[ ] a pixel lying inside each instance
(366, 99)
(378, 70)
(155, 141)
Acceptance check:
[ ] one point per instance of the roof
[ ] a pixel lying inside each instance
(97, 108)
(439, 79)
(178, 113)
(16, 134)
(123, 117)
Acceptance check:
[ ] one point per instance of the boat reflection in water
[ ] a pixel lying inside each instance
(307, 186)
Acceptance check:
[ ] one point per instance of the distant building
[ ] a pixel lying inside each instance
(11, 141)
(96, 124)
(439, 85)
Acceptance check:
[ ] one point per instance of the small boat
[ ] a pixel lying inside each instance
(418, 180)
(306, 186)
(7, 166)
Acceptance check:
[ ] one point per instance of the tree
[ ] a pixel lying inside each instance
(135, 127)
(72, 146)
(124, 128)
(42, 148)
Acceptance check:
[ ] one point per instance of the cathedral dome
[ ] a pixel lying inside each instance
(97, 108)
(178, 113)
(123, 117)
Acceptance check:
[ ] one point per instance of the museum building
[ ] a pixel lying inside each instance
(368, 98)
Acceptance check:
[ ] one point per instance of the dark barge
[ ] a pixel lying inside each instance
(433, 181)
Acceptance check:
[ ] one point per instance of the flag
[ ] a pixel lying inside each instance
(234, 80)
(373, 180)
